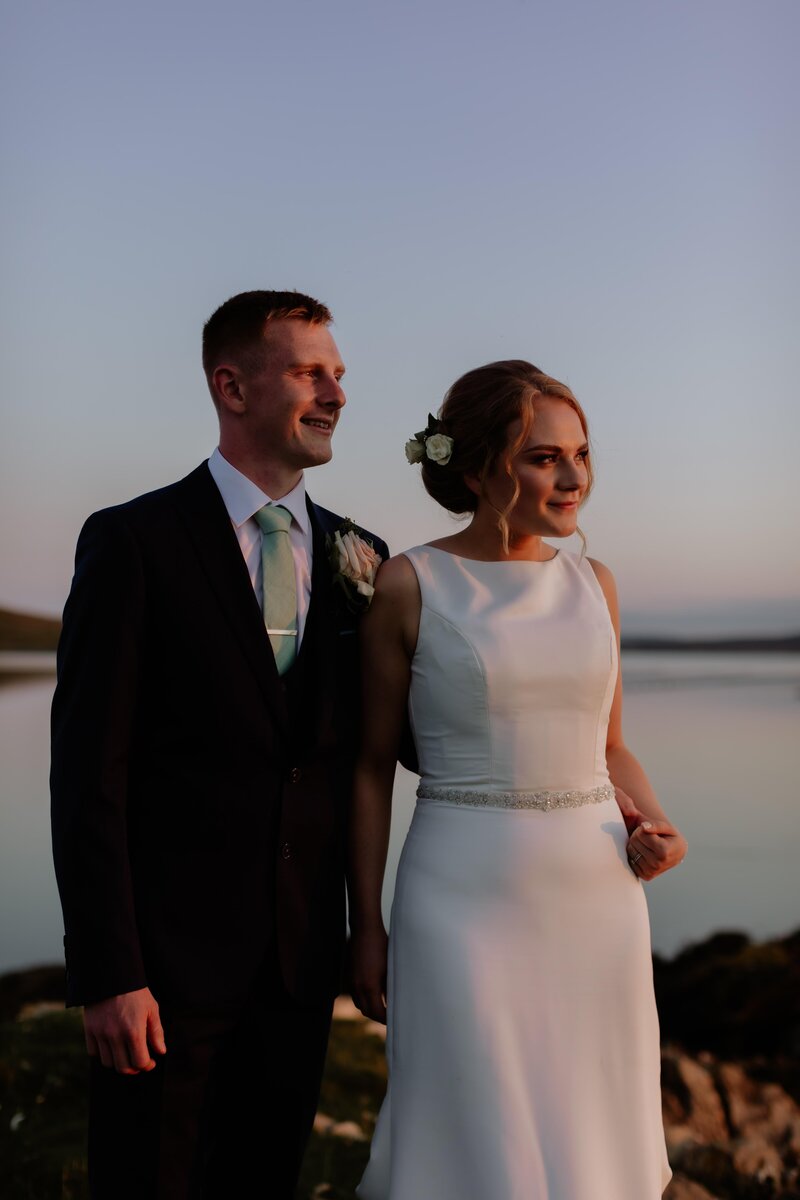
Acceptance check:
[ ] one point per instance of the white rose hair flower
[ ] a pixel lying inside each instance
(430, 443)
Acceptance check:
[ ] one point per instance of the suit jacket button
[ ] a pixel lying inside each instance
(286, 850)
(294, 775)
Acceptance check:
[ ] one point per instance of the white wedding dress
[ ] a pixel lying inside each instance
(522, 1042)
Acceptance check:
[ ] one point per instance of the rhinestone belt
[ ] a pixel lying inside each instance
(543, 801)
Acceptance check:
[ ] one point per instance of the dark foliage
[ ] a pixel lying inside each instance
(732, 997)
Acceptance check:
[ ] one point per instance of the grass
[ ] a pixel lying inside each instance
(43, 1110)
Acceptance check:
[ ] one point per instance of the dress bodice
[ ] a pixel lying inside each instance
(522, 1034)
(513, 675)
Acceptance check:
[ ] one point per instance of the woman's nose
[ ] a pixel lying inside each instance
(573, 476)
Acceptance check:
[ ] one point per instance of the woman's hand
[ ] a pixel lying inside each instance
(368, 955)
(654, 844)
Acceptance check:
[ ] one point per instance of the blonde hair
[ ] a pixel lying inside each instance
(476, 413)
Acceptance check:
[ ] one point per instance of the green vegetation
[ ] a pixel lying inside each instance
(43, 1110)
(43, 1075)
(732, 1004)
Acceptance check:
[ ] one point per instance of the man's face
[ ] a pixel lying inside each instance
(292, 395)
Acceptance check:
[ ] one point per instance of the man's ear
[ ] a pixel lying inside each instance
(226, 384)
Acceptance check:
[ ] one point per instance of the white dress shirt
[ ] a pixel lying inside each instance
(243, 498)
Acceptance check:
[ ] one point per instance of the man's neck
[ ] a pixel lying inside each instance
(274, 479)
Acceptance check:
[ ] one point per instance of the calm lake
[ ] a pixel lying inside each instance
(719, 736)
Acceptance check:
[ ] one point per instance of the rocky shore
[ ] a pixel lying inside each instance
(730, 1017)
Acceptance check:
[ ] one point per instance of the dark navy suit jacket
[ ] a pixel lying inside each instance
(199, 801)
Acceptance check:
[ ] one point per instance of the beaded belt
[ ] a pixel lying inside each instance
(543, 801)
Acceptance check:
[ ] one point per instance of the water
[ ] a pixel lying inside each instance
(719, 737)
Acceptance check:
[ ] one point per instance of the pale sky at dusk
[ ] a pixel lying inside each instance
(608, 189)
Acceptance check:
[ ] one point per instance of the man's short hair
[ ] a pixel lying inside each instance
(235, 330)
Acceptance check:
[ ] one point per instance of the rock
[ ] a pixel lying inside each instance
(681, 1188)
(345, 1010)
(349, 1131)
(712, 1166)
(757, 1159)
(691, 1103)
(41, 1008)
(759, 1110)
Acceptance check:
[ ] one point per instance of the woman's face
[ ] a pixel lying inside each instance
(552, 469)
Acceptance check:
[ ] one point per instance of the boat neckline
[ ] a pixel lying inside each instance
(536, 562)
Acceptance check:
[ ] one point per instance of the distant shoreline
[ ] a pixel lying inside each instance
(23, 633)
(786, 644)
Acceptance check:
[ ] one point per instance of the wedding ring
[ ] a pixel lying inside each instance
(633, 861)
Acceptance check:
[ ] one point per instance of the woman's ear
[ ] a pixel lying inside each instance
(473, 482)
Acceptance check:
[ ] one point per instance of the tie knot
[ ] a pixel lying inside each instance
(274, 518)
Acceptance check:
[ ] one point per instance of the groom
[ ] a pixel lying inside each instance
(204, 726)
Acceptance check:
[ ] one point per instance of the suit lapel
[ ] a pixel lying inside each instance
(209, 528)
(311, 671)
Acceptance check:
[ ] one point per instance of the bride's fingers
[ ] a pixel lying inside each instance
(641, 858)
(370, 1001)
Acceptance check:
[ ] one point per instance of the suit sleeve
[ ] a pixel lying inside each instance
(407, 750)
(99, 665)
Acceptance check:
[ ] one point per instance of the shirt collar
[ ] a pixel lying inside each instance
(243, 498)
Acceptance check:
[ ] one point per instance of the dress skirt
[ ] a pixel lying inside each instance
(523, 1042)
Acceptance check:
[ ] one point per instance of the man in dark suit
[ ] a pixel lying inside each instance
(202, 757)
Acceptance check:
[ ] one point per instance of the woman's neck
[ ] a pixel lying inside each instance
(483, 539)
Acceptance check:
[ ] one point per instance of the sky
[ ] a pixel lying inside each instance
(609, 189)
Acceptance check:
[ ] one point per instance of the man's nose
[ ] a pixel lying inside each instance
(333, 393)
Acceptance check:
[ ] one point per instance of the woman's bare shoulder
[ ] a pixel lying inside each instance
(608, 584)
(605, 576)
(396, 580)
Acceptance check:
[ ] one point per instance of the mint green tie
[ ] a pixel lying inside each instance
(277, 575)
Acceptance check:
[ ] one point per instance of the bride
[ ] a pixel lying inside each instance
(522, 1035)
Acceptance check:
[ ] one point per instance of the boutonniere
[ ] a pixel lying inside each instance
(354, 563)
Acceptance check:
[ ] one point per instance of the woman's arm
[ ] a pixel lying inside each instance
(388, 638)
(654, 845)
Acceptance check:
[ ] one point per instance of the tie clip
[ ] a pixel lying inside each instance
(287, 632)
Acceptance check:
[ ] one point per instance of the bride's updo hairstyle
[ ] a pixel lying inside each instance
(476, 414)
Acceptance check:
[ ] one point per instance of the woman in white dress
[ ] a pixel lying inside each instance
(522, 1038)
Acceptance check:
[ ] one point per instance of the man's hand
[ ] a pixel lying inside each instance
(654, 846)
(123, 1030)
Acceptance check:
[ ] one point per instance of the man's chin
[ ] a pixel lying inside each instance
(317, 457)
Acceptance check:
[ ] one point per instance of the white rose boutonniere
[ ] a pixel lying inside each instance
(355, 563)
